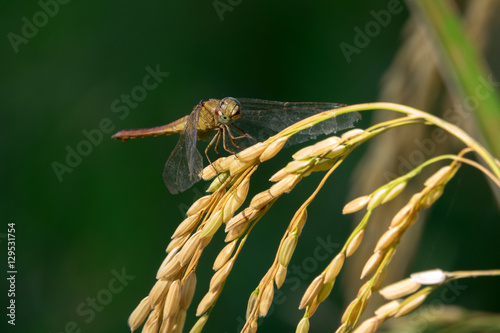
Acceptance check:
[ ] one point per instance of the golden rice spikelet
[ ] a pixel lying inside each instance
(410, 304)
(379, 279)
(187, 290)
(280, 276)
(334, 267)
(432, 196)
(169, 257)
(224, 255)
(388, 238)
(376, 198)
(230, 207)
(252, 303)
(352, 311)
(173, 300)
(365, 289)
(284, 186)
(152, 325)
(312, 291)
(236, 232)
(303, 153)
(216, 167)
(225, 164)
(250, 327)
(180, 320)
(273, 149)
(388, 309)
(187, 225)
(139, 314)
(298, 166)
(220, 276)
(299, 220)
(287, 249)
(356, 204)
(282, 173)
(394, 192)
(159, 291)
(303, 326)
(354, 243)
(439, 177)
(168, 324)
(349, 135)
(261, 199)
(416, 198)
(368, 326)
(236, 200)
(206, 302)
(342, 328)
(337, 151)
(239, 166)
(372, 263)
(242, 217)
(322, 164)
(326, 145)
(266, 299)
(189, 249)
(402, 214)
(212, 225)
(218, 182)
(177, 242)
(170, 270)
(313, 307)
(211, 170)
(199, 204)
(325, 291)
(198, 326)
(252, 153)
(399, 289)
(242, 191)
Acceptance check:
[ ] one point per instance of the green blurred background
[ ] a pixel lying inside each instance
(112, 212)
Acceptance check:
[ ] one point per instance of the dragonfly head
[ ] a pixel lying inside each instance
(228, 110)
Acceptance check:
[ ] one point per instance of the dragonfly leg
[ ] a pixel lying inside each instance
(232, 138)
(224, 142)
(215, 139)
(217, 144)
(245, 135)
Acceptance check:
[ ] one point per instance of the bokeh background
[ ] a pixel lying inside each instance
(111, 211)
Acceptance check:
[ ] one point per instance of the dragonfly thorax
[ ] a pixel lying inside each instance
(228, 110)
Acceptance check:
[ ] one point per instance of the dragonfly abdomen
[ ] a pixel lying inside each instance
(175, 127)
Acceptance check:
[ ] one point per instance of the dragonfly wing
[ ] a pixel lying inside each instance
(185, 163)
(262, 119)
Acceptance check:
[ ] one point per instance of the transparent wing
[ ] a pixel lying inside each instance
(262, 119)
(185, 162)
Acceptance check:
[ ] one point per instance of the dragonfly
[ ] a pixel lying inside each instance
(238, 123)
